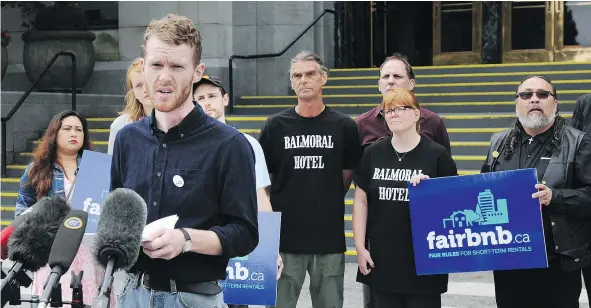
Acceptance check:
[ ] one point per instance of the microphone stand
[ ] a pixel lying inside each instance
(56, 296)
(102, 300)
(77, 293)
(11, 291)
(52, 282)
(16, 268)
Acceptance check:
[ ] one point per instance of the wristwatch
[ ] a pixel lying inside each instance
(187, 246)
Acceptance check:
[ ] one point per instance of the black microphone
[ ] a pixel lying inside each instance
(118, 237)
(30, 243)
(63, 251)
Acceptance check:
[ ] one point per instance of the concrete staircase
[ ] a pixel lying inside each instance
(474, 101)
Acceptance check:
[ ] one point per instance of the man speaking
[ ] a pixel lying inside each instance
(184, 163)
(562, 156)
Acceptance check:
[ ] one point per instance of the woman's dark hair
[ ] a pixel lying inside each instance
(45, 155)
(582, 114)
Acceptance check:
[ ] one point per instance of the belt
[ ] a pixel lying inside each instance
(169, 285)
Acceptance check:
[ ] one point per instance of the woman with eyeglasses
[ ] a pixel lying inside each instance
(381, 207)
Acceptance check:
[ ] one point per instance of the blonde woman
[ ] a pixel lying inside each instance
(137, 102)
(381, 207)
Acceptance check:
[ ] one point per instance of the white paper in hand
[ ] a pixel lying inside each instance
(156, 225)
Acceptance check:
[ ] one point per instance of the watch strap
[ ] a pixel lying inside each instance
(185, 234)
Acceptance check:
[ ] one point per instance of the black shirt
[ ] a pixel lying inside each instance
(217, 191)
(533, 155)
(385, 180)
(306, 157)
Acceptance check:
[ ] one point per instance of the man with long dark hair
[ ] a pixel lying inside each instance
(562, 156)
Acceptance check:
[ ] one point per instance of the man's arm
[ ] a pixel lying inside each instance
(576, 201)
(348, 178)
(263, 202)
(442, 137)
(352, 152)
(116, 178)
(236, 180)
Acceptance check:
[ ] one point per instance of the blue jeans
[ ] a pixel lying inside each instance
(134, 295)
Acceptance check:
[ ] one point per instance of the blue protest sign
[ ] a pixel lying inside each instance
(252, 279)
(477, 223)
(93, 183)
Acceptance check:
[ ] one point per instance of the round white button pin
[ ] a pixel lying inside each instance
(178, 181)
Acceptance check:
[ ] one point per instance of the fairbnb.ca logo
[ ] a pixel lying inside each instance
(487, 212)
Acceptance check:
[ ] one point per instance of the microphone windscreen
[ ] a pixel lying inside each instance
(120, 227)
(7, 231)
(30, 243)
(68, 239)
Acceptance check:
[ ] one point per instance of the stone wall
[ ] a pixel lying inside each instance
(227, 28)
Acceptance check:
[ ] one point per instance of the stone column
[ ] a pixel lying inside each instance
(491, 32)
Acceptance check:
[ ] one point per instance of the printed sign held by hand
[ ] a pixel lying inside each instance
(477, 222)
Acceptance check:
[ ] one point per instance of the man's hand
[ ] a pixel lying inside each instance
(363, 260)
(167, 244)
(279, 266)
(544, 193)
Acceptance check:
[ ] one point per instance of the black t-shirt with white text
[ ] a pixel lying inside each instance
(306, 157)
(385, 180)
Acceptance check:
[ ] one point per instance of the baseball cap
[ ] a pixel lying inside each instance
(211, 80)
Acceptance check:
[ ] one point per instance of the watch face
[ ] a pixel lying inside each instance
(187, 246)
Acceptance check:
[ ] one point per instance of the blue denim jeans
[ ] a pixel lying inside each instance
(134, 295)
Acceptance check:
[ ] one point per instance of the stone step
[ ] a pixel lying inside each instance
(426, 80)
(475, 69)
(375, 98)
(464, 87)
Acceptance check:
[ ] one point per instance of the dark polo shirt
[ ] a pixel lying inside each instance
(373, 127)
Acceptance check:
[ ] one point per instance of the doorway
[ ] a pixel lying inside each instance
(457, 32)
(403, 27)
(546, 31)
(368, 32)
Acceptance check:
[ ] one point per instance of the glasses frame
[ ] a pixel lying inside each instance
(529, 94)
(400, 110)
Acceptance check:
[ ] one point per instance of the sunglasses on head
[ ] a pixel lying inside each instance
(541, 94)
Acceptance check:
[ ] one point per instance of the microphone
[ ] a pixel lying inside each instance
(30, 242)
(63, 251)
(118, 237)
(7, 232)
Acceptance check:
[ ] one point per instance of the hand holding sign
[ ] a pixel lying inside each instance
(279, 266)
(415, 180)
(545, 194)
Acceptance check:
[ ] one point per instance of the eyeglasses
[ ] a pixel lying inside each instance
(398, 111)
(541, 94)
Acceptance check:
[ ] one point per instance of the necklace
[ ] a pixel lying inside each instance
(400, 157)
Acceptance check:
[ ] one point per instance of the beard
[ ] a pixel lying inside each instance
(177, 100)
(536, 120)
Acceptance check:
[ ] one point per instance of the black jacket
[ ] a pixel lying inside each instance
(570, 207)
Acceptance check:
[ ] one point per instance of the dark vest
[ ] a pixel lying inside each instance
(570, 232)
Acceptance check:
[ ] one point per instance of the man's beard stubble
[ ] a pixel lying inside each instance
(536, 121)
(176, 102)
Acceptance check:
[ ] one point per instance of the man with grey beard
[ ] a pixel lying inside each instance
(562, 156)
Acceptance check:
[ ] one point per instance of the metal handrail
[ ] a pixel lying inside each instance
(22, 99)
(270, 55)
